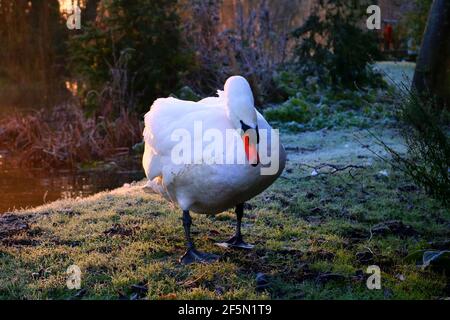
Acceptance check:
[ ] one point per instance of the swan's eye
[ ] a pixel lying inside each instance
(246, 127)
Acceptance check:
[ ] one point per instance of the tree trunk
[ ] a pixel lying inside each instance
(432, 75)
(90, 12)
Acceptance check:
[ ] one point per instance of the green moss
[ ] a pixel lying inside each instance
(295, 109)
(314, 108)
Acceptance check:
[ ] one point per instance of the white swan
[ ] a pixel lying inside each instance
(202, 185)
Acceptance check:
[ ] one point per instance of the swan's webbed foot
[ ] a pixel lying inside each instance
(236, 241)
(192, 255)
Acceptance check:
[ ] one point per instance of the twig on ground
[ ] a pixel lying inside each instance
(334, 168)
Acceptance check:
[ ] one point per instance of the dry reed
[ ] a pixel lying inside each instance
(65, 137)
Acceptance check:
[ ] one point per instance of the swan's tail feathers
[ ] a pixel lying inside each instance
(147, 133)
(221, 94)
(151, 162)
(154, 186)
(214, 100)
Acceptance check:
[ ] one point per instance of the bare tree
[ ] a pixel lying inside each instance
(32, 37)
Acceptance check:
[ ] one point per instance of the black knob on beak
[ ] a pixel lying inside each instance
(246, 127)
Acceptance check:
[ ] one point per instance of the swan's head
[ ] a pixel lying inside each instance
(242, 114)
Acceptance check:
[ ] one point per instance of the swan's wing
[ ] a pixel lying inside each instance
(219, 100)
(167, 120)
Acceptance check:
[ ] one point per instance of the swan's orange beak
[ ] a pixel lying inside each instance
(251, 149)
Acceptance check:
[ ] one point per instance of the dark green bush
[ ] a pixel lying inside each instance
(326, 108)
(426, 132)
(336, 49)
(132, 53)
(295, 109)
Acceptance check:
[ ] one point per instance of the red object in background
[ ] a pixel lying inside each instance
(387, 34)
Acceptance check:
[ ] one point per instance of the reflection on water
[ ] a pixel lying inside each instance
(21, 188)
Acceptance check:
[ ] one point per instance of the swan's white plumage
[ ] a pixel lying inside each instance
(203, 188)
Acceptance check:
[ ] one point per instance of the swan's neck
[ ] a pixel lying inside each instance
(241, 109)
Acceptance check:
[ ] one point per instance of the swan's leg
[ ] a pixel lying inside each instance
(237, 240)
(192, 255)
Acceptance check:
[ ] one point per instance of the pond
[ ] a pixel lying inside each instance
(22, 188)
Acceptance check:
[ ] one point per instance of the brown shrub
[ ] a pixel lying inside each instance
(64, 137)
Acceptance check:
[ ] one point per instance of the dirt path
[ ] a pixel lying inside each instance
(340, 145)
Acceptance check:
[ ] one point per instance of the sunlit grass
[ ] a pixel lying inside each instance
(304, 228)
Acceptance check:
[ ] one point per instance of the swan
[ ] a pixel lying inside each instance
(202, 181)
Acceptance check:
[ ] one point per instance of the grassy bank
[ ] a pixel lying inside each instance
(315, 236)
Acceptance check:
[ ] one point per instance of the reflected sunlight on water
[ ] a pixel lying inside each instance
(29, 188)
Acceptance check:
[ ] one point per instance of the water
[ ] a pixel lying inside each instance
(22, 188)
